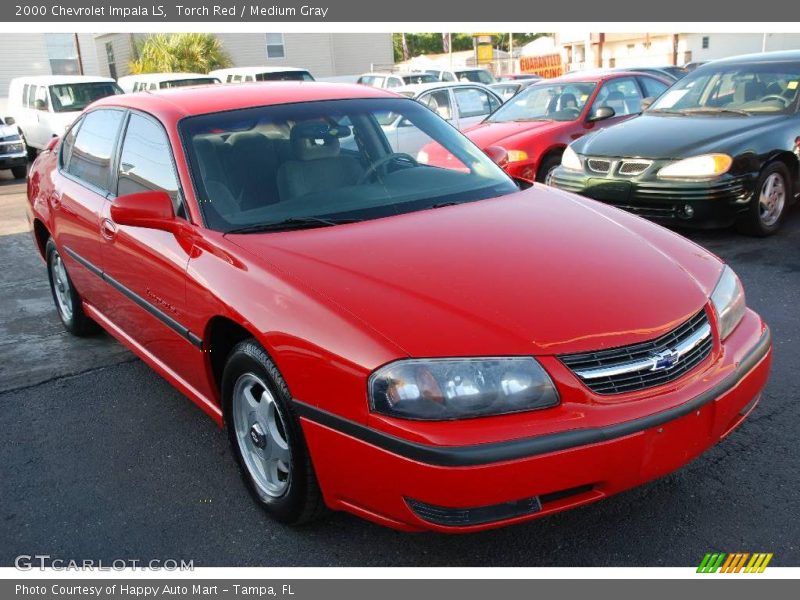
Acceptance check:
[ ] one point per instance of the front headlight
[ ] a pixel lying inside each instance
(460, 388)
(706, 165)
(570, 160)
(728, 301)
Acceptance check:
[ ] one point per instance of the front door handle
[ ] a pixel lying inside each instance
(108, 229)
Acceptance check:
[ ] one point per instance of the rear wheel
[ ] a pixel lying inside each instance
(547, 167)
(19, 172)
(768, 206)
(266, 437)
(68, 302)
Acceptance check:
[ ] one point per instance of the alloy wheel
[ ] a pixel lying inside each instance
(62, 288)
(772, 199)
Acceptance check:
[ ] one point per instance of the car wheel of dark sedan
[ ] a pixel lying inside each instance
(266, 437)
(772, 193)
(68, 302)
(547, 167)
(19, 172)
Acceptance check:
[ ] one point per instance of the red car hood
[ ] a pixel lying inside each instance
(487, 134)
(536, 272)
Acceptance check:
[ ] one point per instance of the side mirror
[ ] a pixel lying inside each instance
(646, 102)
(40, 105)
(601, 113)
(498, 154)
(151, 209)
(10, 120)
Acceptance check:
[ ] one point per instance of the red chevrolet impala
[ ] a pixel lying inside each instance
(427, 348)
(537, 124)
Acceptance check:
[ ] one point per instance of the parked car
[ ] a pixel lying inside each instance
(395, 80)
(671, 72)
(43, 107)
(518, 77)
(466, 74)
(13, 155)
(426, 348)
(460, 104)
(720, 147)
(508, 89)
(250, 74)
(160, 81)
(536, 125)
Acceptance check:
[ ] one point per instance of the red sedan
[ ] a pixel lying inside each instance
(427, 348)
(537, 124)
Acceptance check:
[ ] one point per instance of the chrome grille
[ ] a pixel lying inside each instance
(599, 165)
(645, 365)
(634, 167)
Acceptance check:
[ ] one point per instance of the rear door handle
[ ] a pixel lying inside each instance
(108, 229)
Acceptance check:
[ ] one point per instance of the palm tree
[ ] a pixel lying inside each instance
(179, 53)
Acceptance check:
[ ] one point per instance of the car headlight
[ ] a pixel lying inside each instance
(728, 301)
(460, 388)
(517, 155)
(570, 160)
(706, 165)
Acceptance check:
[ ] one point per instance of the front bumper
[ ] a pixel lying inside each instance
(714, 203)
(415, 486)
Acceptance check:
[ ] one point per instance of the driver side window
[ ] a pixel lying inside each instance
(620, 94)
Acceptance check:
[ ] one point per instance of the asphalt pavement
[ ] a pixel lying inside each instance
(101, 458)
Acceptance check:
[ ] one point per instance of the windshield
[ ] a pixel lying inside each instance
(546, 102)
(285, 76)
(475, 76)
(506, 90)
(69, 97)
(419, 78)
(318, 163)
(185, 82)
(759, 88)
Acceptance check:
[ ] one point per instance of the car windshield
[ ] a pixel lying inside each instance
(285, 76)
(186, 82)
(313, 164)
(69, 97)
(546, 102)
(419, 78)
(475, 76)
(745, 89)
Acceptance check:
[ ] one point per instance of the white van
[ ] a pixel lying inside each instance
(44, 107)
(159, 81)
(248, 74)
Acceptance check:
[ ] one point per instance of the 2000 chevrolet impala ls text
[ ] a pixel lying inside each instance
(427, 348)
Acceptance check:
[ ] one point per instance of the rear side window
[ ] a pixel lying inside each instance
(473, 102)
(146, 162)
(90, 159)
(68, 144)
(653, 88)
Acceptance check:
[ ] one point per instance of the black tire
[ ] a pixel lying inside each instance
(302, 501)
(751, 222)
(548, 164)
(32, 152)
(19, 172)
(77, 323)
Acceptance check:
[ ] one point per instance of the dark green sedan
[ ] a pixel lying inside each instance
(720, 147)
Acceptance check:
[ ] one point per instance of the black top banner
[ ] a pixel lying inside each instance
(419, 11)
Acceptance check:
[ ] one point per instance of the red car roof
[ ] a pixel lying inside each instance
(181, 102)
(596, 77)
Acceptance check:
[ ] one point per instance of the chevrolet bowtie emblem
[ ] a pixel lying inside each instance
(665, 360)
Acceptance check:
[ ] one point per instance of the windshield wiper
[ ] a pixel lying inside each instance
(715, 111)
(292, 223)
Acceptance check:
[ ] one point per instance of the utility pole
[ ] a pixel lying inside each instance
(80, 58)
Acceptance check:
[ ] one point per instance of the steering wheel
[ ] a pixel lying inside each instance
(385, 160)
(783, 100)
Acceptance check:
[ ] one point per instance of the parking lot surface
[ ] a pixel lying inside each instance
(102, 459)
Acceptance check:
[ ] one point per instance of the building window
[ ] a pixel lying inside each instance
(62, 53)
(705, 42)
(112, 64)
(275, 47)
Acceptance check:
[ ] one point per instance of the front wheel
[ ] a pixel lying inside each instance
(266, 437)
(19, 172)
(768, 206)
(68, 302)
(546, 169)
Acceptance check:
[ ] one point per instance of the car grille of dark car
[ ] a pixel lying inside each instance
(644, 365)
(632, 168)
(11, 148)
(598, 165)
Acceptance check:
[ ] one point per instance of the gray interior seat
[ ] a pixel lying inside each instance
(252, 161)
(209, 150)
(318, 166)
